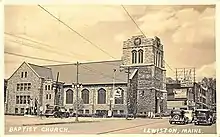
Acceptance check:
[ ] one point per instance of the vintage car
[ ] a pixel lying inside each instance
(178, 116)
(57, 112)
(214, 116)
(203, 116)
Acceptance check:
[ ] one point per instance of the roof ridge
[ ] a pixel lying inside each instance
(39, 66)
(83, 63)
(101, 61)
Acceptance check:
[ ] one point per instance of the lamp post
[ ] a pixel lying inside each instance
(77, 86)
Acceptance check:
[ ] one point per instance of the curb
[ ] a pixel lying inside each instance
(56, 123)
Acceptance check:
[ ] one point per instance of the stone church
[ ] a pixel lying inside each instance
(136, 83)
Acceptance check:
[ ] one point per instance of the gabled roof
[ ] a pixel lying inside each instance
(42, 71)
(90, 73)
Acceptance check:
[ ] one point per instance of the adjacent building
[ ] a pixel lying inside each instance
(179, 97)
(200, 96)
(136, 83)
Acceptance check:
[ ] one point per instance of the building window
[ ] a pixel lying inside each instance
(25, 101)
(80, 111)
(69, 96)
(140, 56)
(115, 111)
(87, 111)
(155, 54)
(120, 99)
(18, 87)
(25, 86)
(134, 56)
(22, 74)
(48, 87)
(121, 111)
(49, 96)
(28, 99)
(22, 110)
(22, 86)
(21, 99)
(160, 61)
(85, 96)
(25, 74)
(29, 86)
(101, 96)
(17, 99)
(16, 110)
(45, 87)
(46, 96)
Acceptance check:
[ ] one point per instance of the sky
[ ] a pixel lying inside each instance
(186, 31)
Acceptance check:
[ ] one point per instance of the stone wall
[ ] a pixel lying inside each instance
(93, 97)
(12, 87)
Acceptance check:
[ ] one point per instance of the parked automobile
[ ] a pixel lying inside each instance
(178, 116)
(57, 112)
(203, 116)
(214, 116)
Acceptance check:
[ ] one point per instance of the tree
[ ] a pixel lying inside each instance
(80, 104)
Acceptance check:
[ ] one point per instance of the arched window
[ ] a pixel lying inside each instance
(159, 58)
(156, 58)
(140, 56)
(120, 98)
(101, 96)
(69, 96)
(134, 56)
(85, 96)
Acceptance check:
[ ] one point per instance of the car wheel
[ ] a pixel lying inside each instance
(67, 115)
(56, 115)
(47, 116)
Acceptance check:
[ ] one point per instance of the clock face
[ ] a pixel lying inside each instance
(137, 41)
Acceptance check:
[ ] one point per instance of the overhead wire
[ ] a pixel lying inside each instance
(31, 57)
(139, 29)
(86, 39)
(43, 44)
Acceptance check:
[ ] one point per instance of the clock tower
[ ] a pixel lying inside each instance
(145, 59)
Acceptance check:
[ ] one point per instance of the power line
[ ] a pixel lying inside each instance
(40, 43)
(133, 20)
(140, 30)
(25, 56)
(169, 66)
(41, 48)
(76, 32)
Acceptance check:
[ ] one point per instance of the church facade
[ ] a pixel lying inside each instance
(136, 83)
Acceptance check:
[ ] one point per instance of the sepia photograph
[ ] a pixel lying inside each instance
(109, 69)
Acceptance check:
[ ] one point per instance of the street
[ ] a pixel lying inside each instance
(109, 126)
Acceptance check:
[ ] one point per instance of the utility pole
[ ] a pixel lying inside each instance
(176, 76)
(113, 91)
(77, 91)
(56, 90)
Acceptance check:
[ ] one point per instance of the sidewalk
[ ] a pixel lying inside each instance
(34, 120)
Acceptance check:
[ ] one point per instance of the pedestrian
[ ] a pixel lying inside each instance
(41, 112)
(172, 112)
